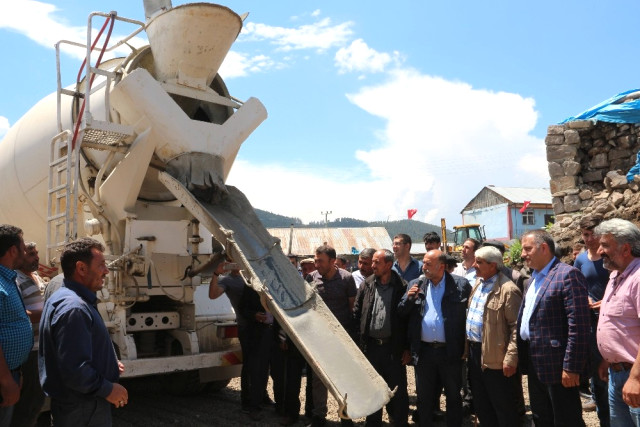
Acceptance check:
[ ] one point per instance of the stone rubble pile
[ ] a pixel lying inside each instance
(588, 164)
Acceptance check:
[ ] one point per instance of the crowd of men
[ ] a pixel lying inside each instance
(470, 329)
(59, 347)
(473, 328)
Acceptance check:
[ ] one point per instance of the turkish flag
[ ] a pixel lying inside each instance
(525, 205)
(411, 213)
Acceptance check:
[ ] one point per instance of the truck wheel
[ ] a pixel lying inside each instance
(183, 383)
(215, 386)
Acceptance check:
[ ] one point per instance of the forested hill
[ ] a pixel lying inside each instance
(415, 229)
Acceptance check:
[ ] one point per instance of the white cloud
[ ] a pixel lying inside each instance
(4, 126)
(316, 12)
(320, 35)
(361, 58)
(37, 21)
(535, 164)
(442, 142)
(238, 64)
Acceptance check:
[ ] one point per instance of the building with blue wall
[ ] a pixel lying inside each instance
(498, 209)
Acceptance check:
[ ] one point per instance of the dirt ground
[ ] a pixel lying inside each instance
(150, 406)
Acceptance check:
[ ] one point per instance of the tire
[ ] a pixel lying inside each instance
(215, 386)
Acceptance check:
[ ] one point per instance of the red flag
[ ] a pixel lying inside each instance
(525, 205)
(411, 212)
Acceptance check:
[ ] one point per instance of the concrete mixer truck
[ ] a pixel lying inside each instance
(136, 154)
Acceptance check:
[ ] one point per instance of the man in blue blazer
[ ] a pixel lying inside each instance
(553, 333)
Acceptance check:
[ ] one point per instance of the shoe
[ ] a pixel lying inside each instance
(287, 421)
(589, 406)
(317, 422)
(246, 410)
(438, 415)
(467, 411)
(256, 415)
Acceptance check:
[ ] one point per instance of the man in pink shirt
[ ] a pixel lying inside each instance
(619, 324)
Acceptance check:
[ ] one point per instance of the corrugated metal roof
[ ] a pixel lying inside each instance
(306, 240)
(520, 194)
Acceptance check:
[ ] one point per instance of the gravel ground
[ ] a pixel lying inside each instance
(149, 406)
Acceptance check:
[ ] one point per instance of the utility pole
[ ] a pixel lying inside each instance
(326, 214)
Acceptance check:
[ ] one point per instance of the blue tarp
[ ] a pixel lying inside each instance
(609, 111)
(613, 112)
(635, 169)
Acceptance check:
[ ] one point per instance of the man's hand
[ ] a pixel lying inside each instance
(508, 370)
(413, 291)
(118, 396)
(570, 379)
(120, 367)
(220, 268)
(406, 357)
(596, 305)
(603, 370)
(631, 392)
(10, 391)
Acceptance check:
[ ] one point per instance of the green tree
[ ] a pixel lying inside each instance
(513, 256)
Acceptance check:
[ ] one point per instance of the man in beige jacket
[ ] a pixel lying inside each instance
(491, 336)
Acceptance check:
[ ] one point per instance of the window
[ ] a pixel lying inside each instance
(528, 218)
(549, 219)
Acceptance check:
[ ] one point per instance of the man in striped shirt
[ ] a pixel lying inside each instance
(26, 411)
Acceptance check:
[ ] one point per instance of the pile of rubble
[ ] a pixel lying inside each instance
(588, 163)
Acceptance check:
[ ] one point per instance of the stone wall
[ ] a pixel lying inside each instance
(588, 164)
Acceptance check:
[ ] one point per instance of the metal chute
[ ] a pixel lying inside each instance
(318, 335)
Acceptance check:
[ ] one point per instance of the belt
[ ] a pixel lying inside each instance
(379, 341)
(434, 344)
(475, 344)
(620, 366)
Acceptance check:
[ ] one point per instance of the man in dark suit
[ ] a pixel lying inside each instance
(435, 305)
(553, 333)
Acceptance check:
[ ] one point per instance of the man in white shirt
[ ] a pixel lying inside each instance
(364, 266)
(466, 268)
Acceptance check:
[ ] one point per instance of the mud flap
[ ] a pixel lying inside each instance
(327, 347)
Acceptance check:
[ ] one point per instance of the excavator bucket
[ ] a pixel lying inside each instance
(298, 308)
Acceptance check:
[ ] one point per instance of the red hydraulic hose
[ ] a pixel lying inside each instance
(90, 82)
(93, 46)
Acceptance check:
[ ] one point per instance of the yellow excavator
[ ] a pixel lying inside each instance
(461, 233)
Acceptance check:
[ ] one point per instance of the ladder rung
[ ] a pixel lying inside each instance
(57, 188)
(54, 217)
(58, 161)
(72, 93)
(56, 245)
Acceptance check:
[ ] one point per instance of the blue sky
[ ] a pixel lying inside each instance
(377, 107)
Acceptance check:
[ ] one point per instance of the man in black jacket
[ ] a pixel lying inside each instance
(435, 306)
(382, 334)
(258, 349)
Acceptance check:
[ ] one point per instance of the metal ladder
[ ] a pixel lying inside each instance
(64, 155)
